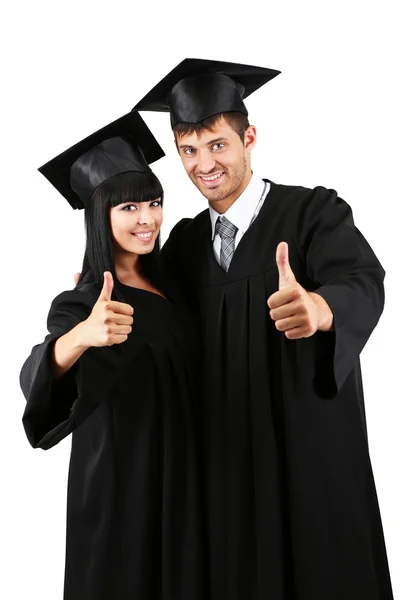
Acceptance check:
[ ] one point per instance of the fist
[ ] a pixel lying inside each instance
(296, 312)
(110, 322)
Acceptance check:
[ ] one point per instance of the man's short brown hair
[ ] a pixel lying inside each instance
(237, 120)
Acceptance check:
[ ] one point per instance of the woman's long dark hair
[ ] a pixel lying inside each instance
(131, 186)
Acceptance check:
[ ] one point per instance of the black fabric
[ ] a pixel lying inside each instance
(133, 521)
(109, 158)
(197, 89)
(292, 512)
(134, 131)
(213, 94)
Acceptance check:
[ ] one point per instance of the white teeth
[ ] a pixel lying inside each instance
(212, 177)
(145, 236)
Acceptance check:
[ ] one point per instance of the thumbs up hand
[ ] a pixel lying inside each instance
(286, 276)
(110, 322)
(296, 312)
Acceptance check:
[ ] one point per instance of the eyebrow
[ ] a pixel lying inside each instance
(137, 202)
(215, 141)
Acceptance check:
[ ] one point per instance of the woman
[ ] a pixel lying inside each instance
(116, 370)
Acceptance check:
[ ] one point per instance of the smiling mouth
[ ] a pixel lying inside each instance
(144, 237)
(209, 180)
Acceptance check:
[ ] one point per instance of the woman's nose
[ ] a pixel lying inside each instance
(145, 216)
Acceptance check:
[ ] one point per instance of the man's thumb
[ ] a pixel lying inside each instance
(286, 275)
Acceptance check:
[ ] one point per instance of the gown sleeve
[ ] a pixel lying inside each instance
(55, 408)
(349, 277)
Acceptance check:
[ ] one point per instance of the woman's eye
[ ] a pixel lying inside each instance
(131, 207)
(156, 203)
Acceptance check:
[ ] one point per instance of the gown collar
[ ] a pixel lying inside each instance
(242, 210)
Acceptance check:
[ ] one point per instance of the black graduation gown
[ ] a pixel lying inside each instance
(291, 504)
(133, 528)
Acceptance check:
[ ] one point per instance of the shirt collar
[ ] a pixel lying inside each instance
(242, 210)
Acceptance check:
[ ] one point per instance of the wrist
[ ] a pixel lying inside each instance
(325, 314)
(79, 340)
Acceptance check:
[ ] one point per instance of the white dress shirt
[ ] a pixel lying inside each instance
(242, 212)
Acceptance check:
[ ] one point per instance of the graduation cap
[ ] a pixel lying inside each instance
(126, 144)
(197, 89)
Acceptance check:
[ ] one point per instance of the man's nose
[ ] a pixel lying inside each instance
(206, 162)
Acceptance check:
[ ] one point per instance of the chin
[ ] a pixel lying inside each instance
(147, 250)
(217, 195)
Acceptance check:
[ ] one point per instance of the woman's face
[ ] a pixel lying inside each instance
(136, 225)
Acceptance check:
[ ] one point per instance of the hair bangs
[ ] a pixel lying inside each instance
(132, 186)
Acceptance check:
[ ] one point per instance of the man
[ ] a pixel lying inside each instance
(288, 292)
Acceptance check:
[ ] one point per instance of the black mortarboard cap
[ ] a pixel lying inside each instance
(126, 144)
(197, 89)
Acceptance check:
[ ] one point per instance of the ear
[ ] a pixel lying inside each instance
(250, 138)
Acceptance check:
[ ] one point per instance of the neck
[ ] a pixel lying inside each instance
(126, 265)
(221, 206)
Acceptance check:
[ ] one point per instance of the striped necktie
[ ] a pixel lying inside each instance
(227, 231)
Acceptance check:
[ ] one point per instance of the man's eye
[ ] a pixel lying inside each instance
(218, 146)
(189, 151)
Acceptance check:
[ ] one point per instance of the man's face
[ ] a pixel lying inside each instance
(217, 161)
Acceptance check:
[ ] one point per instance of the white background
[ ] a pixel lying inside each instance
(331, 118)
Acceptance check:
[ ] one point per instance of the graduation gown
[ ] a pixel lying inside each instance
(292, 512)
(133, 527)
